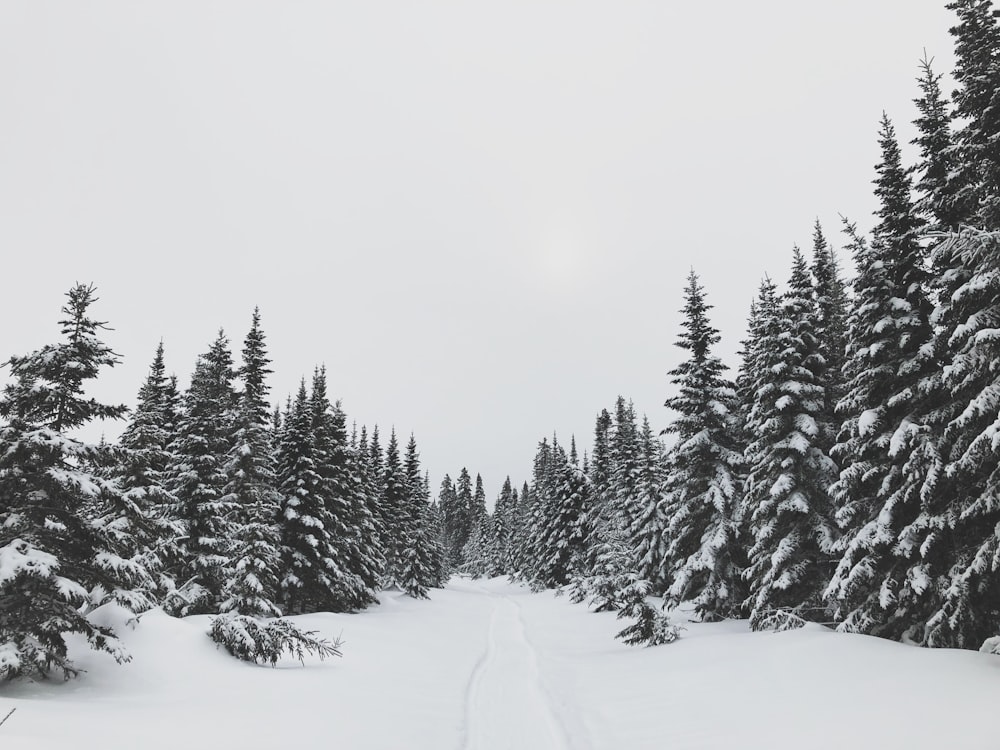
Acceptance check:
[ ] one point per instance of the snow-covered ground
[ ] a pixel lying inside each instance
(490, 665)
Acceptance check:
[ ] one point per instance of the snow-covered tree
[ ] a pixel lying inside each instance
(251, 490)
(787, 499)
(935, 170)
(418, 560)
(310, 573)
(197, 478)
(705, 555)
(139, 520)
(889, 357)
(350, 527)
(976, 177)
(968, 494)
(51, 555)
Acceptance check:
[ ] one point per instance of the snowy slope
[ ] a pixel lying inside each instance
(489, 665)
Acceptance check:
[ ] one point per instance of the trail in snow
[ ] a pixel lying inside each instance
(507, 706)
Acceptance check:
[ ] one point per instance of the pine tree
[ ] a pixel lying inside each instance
(890, 358)
(369, 486)
(51, 555)
(503, 531)
(475, 552)
(458, 524)
(935, 184)
(350, 528)
(977, 104)
(967, 497)
(595, 516)
(704, 483)
(251, 490)
(560, 545)
(140, 520)
(395, 506)
(831, 309)
(416, 571)
(648, 526)
(311, 574)
(447, 501)
(435, 532)
(787, 497)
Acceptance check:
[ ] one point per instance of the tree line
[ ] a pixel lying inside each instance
(210, 503)
(850, 472)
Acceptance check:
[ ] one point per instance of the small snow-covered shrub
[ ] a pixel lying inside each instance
(250, 639)
(991, 646)
(652, 626)
(776, 620)
(185, 599)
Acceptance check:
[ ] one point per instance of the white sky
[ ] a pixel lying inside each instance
(478, 215)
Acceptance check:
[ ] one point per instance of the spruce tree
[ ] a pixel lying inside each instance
(417, 563)
(977, 105)
(559, 545)
(935, 170)
(197, 478)
(967, 498)
(705, 558)
(459, 523)
(503, 530)
(351, 528)
(787, 497)
(395, 507)
(141, 519)
(52, 555)
(251, 490)
(890, 359)
(831, 309)
(648, 526)
(311, 575)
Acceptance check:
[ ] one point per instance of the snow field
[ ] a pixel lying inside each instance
(488, 665)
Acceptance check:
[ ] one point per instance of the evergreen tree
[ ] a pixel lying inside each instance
(447, 502)
(252, 571)
(416, 572)
(503, 531)
(889, 359)
(595, 516)
(140, 519)
(395, 508)
(368, 478)
(831, 309)
(52, 555)
(977, 104)
(967, 495)
(935, 184)
(475, 552)
(197, 478)
(704, 488)
(311, 575)
(648, 526)
(459, 523)
(560, 545)
(787, 497)
(351, 528)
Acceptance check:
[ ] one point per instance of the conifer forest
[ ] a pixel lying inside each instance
(844, 472)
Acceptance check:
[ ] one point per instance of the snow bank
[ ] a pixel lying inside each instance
(490, 665)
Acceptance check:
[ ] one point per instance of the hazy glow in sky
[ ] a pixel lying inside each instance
(478, 216)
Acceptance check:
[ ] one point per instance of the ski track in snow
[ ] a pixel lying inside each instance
(507, 706)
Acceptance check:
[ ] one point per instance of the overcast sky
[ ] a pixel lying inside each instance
(478, 215)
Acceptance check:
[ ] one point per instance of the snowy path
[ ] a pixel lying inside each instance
(488, 665)
(507, 706)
